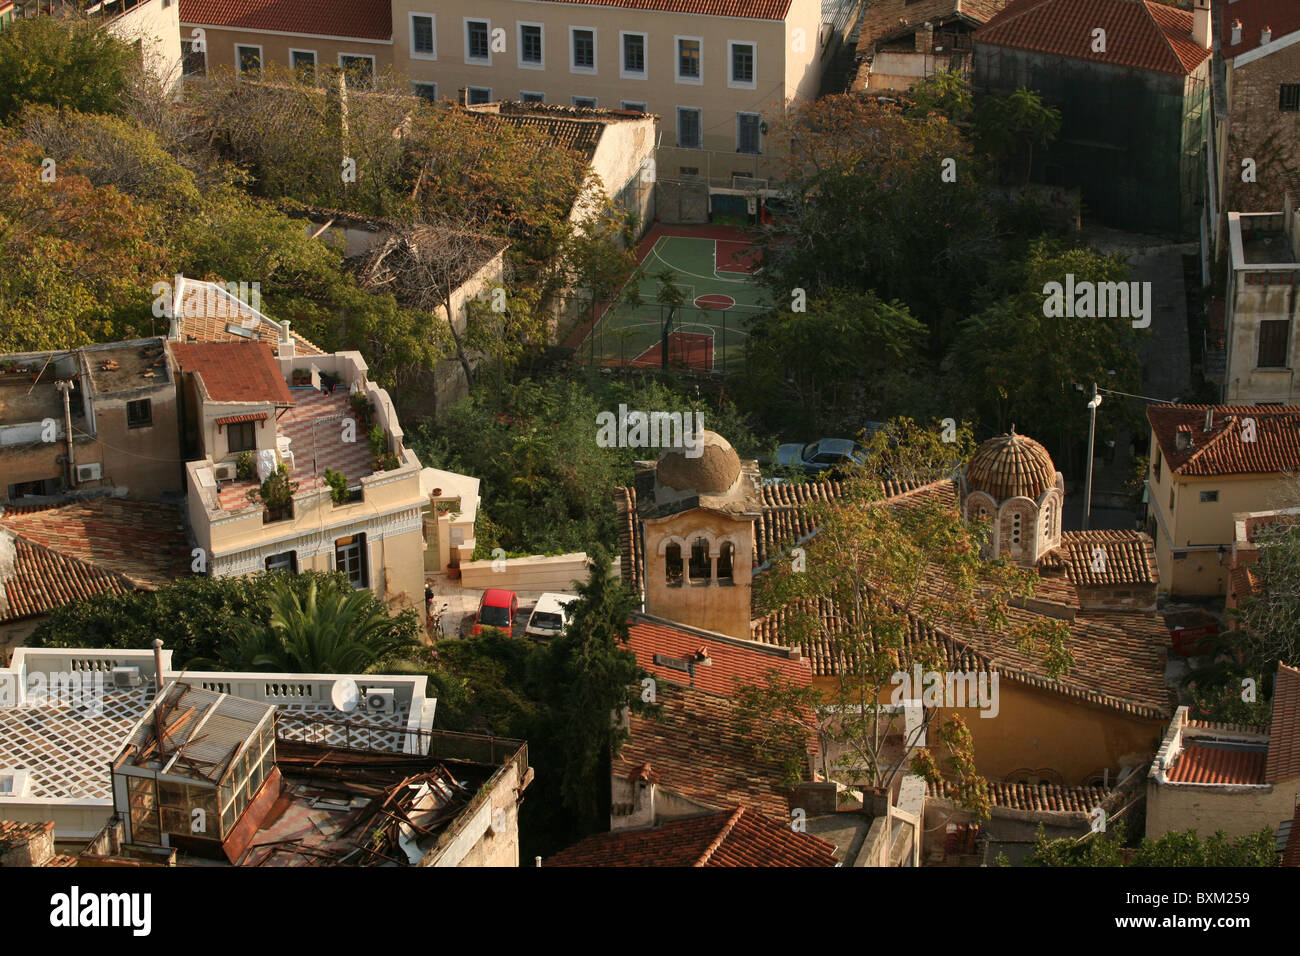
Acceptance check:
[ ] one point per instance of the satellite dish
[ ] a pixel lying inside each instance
(345, 695)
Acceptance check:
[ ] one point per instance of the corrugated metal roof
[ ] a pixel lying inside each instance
(205, 727)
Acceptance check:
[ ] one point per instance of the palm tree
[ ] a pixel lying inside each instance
(330, 632)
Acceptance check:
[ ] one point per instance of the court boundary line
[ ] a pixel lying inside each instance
(710, 334)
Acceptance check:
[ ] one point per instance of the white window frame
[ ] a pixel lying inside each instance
(464, 35)
(374, 66)
(634, 104)
(758, 129)
(732, 82)
(699, 111)
(315, 58)
(523, 93)
(291, 565)
(595, 52)
(677, 61)
(363, 560)
(19, 783)
(519, 38)
(469, 100)
(595, 102)
(433, 29)
(415, 83)
(261, 58)
(625, 73)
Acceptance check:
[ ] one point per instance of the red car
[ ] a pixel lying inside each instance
(499, 608)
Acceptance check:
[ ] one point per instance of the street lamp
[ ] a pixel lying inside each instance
(1092, 431)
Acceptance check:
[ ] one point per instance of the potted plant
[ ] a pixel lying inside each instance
(338, 483)
(362, 407)
(389, 462)
(378, 439)
(275, 494)
(244, 466)
(301, 377)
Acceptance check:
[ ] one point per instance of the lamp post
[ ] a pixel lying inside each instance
(1092, 431)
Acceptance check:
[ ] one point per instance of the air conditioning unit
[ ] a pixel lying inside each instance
(89, 472)
(127, 677)
(379, 700)
(224, 471)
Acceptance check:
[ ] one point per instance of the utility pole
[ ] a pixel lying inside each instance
(1092, 432)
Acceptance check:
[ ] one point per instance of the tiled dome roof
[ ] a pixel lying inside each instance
(1009, 466)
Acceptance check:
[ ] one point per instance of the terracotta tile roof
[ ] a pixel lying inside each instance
(239, 419)
(1291, 856)
(1284, 728)
(1140, 34)
(737, 838)
(1242, 583)
(1227, 727)
(1203, 763)
(1221, 450)
(14, 833)
(360, 19)
(1022, 796)
(560, 132)
(885, 19)
(235, 371)
(1282, 16)
(750, 9)
(143, 541)
(698, 747)
(1130, 558)
(206, 311)
(730, 660)
(40, 580)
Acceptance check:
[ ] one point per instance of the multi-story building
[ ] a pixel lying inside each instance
(102, 417)
(1260, 308)
(1207, 463)
(1132, 81)
(718, 72)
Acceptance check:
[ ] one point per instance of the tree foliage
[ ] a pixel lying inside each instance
(1175, 848)
(65, 62)
(196, 617)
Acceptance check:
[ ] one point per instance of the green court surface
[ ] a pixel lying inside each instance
(720, 297)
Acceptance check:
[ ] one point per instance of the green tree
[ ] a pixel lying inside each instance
(66, 62)
(1009, 126)
(848, 359)
(1175, 848)
(875, 576)
(945, 92)
(1013, 364)
(330, 631)
(196, 617)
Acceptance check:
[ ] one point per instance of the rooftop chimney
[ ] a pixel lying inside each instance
(1209, 418)
(1201, 25)
(1236, 32)
(1265, 35)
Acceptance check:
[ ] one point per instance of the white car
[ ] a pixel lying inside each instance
(550, 616)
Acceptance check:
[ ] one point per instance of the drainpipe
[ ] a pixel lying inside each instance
(66, 388)
(157, 709)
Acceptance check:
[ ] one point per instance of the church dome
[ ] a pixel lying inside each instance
(1011, 466)
(713, 472)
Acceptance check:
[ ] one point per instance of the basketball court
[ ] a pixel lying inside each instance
(713, 269)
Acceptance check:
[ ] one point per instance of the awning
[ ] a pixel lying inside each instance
(239, 419)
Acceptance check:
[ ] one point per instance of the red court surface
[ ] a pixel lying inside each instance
(692, 349)
(714, 300)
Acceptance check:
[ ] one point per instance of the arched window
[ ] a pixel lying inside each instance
(701, 564)
(673, 565)
(1047, 520)
(1015, 528)
(724, 562)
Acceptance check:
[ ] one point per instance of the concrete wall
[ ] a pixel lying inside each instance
(534, 573)
(1187, 540)
(156, 24)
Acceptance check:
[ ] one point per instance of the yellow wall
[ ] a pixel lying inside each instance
(1237, 811)
(715, 607)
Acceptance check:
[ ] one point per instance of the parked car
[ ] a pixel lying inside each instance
(550, 617)
(498, 608)
(821, 458)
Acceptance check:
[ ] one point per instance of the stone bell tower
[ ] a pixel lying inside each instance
(697, 516)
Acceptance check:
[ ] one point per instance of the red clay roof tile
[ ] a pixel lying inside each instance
(235, 371)
(1224, 450)
(1282, 16)
(41, 580)
(360, 19)
(1140, 34)
(730, 660)
(1284, 728)
(738, 837)
(1201, 763)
